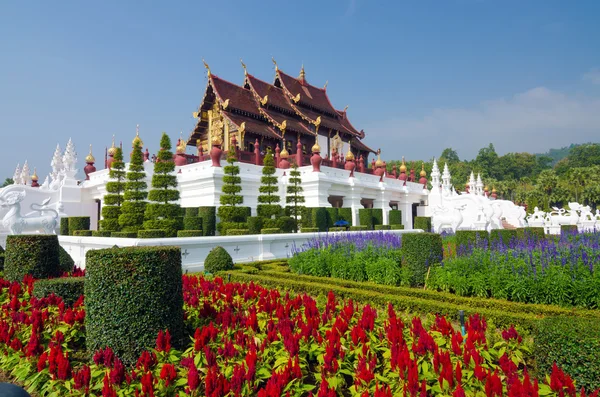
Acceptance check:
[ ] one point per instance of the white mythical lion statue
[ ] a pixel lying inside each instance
(18, 224)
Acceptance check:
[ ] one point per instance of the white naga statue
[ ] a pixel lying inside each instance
(44, 223)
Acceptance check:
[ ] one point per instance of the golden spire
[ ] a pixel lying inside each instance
(302, 75)
(206, 66)
(113, 149)
(34, 177)
(137, 139)
(423, 173)
(349, 155)
(274, 63)
(90, 157)
(379, 163)
(494, 190)
(244, 66)
(316, 148)
(284, 154)
(403, 166)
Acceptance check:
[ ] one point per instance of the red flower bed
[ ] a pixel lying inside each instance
(252, 341)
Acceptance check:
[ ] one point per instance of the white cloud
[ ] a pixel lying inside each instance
(593, 76)
(532, 121)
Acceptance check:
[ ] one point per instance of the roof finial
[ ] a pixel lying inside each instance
(346, 108)
(274, 63)
(302, 73)
(325, 86)
(206, 66)
(244, 66)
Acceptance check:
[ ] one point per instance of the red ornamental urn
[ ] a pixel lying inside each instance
(316, 159)
(215, 153)
(283, 162)
(361, 164)
(350, 165)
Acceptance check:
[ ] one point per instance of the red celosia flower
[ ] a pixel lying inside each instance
(82, 378)
(168, 374)
(117, 373)
(193, 379)
(107, 389)
(459, 392)
(510, 334)
(148, 384)
(34, 347)
(41, 364)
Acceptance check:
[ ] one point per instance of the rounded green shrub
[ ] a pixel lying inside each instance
(68, 288)
(218, 260)
(272, 230)
(209, 220)
(101, 233)
(130, 295)
(33, 254)
(573, 344)
(82, 233)
(66, 264)
(151, 233)
(189, 233)
(192, 223)
(423, 223)
(419, 252)
(78, 223)
(287, 224)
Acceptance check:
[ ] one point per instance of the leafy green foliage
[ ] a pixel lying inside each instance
(395, 217)
(189, 233)
(209, 220)
(124, 234)
(534, 234)
(223, 227)
(68, 288)
(130, 295)
(397, 227)
(344, 214)
(101, 233)
(217, 260)
(115, 188)
(64, 226)
(230, 198)
(82, 233)
(358, 228)
(78, 223)
(66, 264)
(320, 218)
(190, 211)
(332, 216)
(309, 230)
(369, 218)
(272, 230)
(192, 223)
(33, 254)
(467, 239)
(295, 194)
(423, 223)
(287, 224)
(503, 236)
(568, 229)
(573, 344)
(255, 223)
(420, 251)
(237, 232)
(383, 227)
(162, 212)
(269, 198)
(151, 233)
(135, 194)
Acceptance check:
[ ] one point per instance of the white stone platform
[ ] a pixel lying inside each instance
(195, 249)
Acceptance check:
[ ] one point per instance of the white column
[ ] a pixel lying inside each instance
(383, 202)
(352, 200)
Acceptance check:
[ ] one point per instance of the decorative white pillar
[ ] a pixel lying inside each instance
(17, 175)
(352, 200)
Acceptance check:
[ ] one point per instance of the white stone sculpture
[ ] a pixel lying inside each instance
(560, 216)
(17, 175)
(587, 221)
(25, 176)
(18, 224)
(445, 218)
(537, 218)
(57, 169)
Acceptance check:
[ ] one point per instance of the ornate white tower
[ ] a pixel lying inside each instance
(17, 175)
(435, 176)
(57, 168)
(479, 185)
(25, 178)
(446, 185)
(472, 184)
(69, 160)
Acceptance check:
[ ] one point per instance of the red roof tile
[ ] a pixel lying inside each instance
(252, 125)
(309, 94)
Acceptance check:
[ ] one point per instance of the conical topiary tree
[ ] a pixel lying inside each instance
(162, 213)
(295, 195)
(229, 211)
(269, 199)
(115, 187)
(134, 204)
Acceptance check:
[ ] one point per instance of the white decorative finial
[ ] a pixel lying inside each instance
(17, 175)
(70, 157)
(25, 178)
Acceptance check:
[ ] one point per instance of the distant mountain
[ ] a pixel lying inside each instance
(558, 154)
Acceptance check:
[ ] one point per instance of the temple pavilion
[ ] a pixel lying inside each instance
(289, 113)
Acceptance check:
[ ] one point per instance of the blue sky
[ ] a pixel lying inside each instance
(418, 76)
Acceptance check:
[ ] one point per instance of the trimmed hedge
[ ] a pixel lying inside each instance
(223, 227)
(217, 260)
(423, 222)
(189, 233)
(1, 259)
(470, 238)
(377, 216)
(272, 230)
(228, 213)
(69, 289)
(419, 251)
(368, 218)
(33, 254)
(151, 233)
(64, 226)
(570, 229)
(320, 218)
(309, 230)
(192, 223)
(358, 228)
(337, 229)
(503, 235)
(573, 344)
(130, 295)
(101, 233)
(397, 227)
(395, 217)
(65, 262)
(82, 233)
(332, 215)
(237, 232)
(78, 223)
(190, 211)
(209, 220)
(255, 223)
(383, 227)
(345, 214)
(287, 224)
(307, 217)
(124, 234)
(531, 233)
